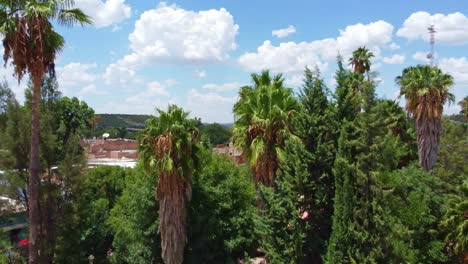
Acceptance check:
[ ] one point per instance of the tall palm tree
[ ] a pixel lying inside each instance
(32, 44)
(426, 90)
(169, 145)
(464, 107)
(360, 61)
(94, 121)
(263, 123)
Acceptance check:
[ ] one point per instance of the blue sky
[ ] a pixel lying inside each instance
(139, 55)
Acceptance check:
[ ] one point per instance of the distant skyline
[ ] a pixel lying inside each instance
(139, 55)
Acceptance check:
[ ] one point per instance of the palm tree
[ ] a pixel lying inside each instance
(464, 107)
(94, 121)
(263, 123)
(168, 145)
(32, 44)
(360, 61)
(426, 90)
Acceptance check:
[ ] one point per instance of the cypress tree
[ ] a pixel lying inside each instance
(357, 225)
(316, 126)
(297, 216)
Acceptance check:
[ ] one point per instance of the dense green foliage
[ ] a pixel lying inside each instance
(221, 213)
(221, 216)
(88, 233)
(287, 228)
(213, 134)
(61, 157)
(305, 186)
(347, 185)
(412, 210)
(134, 220)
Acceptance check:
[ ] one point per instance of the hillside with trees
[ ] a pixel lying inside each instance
(122, 120)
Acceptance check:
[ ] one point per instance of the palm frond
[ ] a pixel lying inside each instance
(71, 17)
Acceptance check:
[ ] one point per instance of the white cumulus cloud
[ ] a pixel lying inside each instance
(223, 87)
(395, 59)
(91, 89)
(153, 89)
(284, 32)
(451, 29)
(200, 73)
(76, 73)
(211, 107)
(169, 34)
(105, 13)
(292, 57)
(420, 56)
(394, 46)
(457, 67)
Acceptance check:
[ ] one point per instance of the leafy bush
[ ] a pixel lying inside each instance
(412, 206)
(134, 220)
(220, 216)
(88, 231)
(222, 212)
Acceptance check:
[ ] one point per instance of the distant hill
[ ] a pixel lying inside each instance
(138, 121)
(130, 121)
(457, 118)
(122, 120)
(227, 125)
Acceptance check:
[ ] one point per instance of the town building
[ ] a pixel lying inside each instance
(112, 152)
(230, 151)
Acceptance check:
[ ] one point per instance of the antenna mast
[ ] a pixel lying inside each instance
(432, 32)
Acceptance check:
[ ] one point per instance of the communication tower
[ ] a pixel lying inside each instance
(432, 32)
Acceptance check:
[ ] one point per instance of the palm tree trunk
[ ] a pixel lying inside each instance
(428, 134)
(173, 192)
(265, 170)
(33, 183)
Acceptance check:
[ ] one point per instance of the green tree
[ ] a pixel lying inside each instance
(316, 126)
(451, 162)
(366, 147)
(74, 115)
(32, 44)
(14, 154)
(134, 220)
(287, 231)
(215, 134)
(347, 103)
(222, 212)
(87, 232)
(5, 96)
(56, 150)
(426, 90)
(168, 145)
(412, 206)
(393, 127)
(262, 123)
(455, 221)
(122, 132)
(464, 107)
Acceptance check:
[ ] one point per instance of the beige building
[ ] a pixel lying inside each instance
(230, 151)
